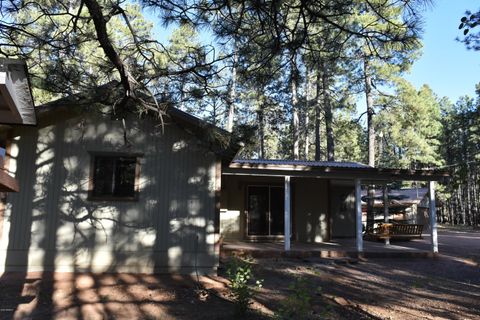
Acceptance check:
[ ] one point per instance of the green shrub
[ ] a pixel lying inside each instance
(298, 304)
(240, 274)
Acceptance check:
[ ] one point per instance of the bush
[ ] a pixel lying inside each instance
(298, 304)
(240, 274)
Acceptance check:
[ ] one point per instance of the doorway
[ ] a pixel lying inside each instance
(265, 215)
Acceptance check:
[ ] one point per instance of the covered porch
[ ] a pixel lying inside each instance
(336, 248)
(297, 179)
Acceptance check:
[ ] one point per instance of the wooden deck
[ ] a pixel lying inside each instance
(338, 248)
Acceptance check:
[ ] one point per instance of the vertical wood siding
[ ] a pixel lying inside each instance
(51, 225)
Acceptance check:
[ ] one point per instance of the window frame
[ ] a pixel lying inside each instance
(91, 183)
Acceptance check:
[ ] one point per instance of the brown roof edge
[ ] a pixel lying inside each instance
(22, 64)
(8, 183)
(223, 143)
(364, 173)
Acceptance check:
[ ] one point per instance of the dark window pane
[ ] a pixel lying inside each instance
(277, 212)
(125, 177)
(258, 210)
(114, 176)
(103, 176)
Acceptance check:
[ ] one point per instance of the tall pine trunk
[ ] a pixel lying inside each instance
(469, 200)
(371, 142)
(261, 129)
(327, 106)
(475, 197)
(232, 90)
(318, 134)
(295, 118)
(370, 113)
(308, 104)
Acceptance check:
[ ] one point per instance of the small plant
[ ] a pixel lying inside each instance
(240, 274)
(297, 305)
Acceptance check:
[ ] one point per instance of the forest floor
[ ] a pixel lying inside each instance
(445, 287)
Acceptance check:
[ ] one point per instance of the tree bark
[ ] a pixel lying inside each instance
(232, 91)
(261, 129)
(371, 142)
(475, 197)
(318, 135)
(327, 106)
(295, 119)
(469, 203)
(100, 23)
(370, 113)
(308, 103)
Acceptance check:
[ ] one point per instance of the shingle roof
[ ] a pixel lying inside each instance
(336, 164)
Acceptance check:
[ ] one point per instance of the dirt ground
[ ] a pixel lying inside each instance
(446, 287)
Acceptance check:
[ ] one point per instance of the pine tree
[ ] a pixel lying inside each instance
(411, 128)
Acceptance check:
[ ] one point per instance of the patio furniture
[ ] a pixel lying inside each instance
(397, 231)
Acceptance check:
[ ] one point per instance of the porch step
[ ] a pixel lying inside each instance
(340, 255)
(295, 254)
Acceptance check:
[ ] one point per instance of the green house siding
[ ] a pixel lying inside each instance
(52, 225)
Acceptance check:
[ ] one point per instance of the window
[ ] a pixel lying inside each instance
(114, 177)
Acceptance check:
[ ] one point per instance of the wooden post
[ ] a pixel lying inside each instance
(358, 214)
(287, 213)
(433, 216)
(385, 209)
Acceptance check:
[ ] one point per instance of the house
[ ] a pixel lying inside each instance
(101, 193)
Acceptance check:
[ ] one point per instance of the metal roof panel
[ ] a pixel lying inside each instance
(336, 164)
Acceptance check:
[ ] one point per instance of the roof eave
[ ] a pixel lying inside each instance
(223, 143)
(8, 183)
(16, 93)
(368, 174)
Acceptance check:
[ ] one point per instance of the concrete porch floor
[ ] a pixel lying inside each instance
(336, 248)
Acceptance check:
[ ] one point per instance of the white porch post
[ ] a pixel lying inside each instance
(287, 213)
(385, 204)
(385, 210)
(358, 214)
(433, 216)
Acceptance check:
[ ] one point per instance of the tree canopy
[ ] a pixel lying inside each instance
(293, 71)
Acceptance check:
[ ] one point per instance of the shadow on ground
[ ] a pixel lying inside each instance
(445, 287)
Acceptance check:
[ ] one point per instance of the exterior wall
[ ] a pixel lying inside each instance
(309, 204)
(311, 210)
(233, 203)
(342, 197)
(51, 225)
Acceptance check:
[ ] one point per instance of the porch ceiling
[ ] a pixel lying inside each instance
(366, 174)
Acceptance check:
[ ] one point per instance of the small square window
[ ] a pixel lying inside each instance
(114, 177)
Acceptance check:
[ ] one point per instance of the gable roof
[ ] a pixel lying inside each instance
(222, 142)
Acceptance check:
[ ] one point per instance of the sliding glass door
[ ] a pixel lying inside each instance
(265, 211)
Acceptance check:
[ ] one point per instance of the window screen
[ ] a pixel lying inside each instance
(114, 176)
